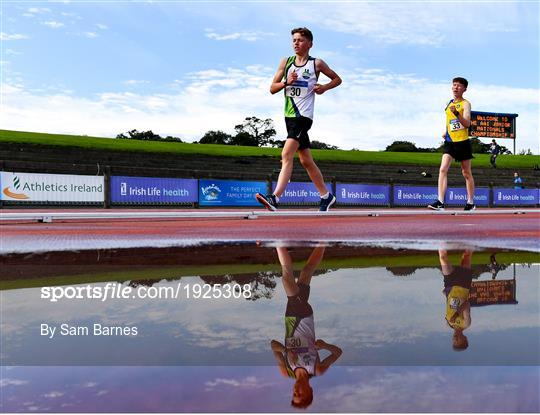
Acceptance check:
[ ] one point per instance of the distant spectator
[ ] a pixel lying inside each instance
(495, 150)
(518, 181)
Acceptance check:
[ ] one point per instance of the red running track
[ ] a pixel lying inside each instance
(490, 230)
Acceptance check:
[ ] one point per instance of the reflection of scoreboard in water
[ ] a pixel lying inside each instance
(493, 125)
(492, 292)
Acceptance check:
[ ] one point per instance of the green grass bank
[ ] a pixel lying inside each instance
(8, 137)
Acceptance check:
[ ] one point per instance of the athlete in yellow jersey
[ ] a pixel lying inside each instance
(457, 284)
(457, 145)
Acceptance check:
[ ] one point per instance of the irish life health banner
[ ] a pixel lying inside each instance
(458, 196)
(37, 187)
(414, 195)
(515, 197)
(300, 192)
(229, 193)
(363, 194)
(153, 190)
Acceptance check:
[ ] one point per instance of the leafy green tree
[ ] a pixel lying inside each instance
(319, 145)
(146, 136)
(215, 137)
(174, 139)
(277, 143)
(262, 131)
(244, 139)
(402, 146)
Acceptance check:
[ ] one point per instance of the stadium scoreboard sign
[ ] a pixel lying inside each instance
(492, 292)
(493, 125)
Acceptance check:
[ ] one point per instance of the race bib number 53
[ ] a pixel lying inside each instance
(455, 125)
(298, 89)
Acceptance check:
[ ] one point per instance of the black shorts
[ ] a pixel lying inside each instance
(297, 305)
(297, 128)
(459, 276)
(459, 150)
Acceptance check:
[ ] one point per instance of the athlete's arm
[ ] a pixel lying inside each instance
(278, 349)
(335, 80)
(466, 309)
(335, 353)
(277, 83)
(465, 118)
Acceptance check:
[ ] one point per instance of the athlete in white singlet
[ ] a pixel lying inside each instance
(298, 358)
(297, 76)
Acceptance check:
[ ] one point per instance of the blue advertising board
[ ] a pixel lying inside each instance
(515, 197)
(458, 196)
(362, 194)
(229, 192)
(414, 195)
(156, 190)
(300, 192)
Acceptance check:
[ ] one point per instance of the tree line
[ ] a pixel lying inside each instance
(257, 132)
(252, 131)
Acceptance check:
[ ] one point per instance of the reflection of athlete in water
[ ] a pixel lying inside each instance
(457, 283)
(299, 357)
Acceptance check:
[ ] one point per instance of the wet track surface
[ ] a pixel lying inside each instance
(504, 230)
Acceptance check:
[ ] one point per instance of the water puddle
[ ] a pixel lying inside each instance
(376, 328)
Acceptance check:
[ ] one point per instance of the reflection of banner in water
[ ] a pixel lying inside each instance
(492, 292)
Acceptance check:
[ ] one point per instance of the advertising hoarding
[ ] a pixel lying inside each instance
(41, 187)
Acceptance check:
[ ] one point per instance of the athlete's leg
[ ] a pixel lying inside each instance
(287, 160)
(446, 266)
(311, 265)
(291, 288)
(446, 161)
(466, 258)
(469, 180)
(312, 170)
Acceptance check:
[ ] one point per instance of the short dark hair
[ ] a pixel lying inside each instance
(306, 402)
(304, 31)
(462, 81)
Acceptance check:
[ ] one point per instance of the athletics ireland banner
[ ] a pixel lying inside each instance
(38, 187)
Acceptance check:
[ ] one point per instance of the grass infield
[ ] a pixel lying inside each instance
(345, 156)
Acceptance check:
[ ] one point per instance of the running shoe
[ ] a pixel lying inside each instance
(268, 201)
(437, 205)
(327, 203)
(470, 207)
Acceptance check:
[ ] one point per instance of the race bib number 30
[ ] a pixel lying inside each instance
(299, 89)
(455, 125)
(295, 343)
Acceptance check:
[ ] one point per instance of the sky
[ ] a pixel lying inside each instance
(182, 68)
